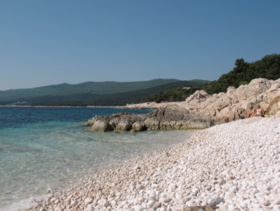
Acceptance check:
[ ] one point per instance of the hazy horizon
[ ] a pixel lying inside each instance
(101, 82)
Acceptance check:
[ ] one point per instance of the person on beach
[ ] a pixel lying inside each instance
(259, 111)
(250, 112)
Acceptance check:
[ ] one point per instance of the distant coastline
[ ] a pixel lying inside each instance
(22, 106)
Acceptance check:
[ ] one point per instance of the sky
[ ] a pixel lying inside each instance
(47, 42)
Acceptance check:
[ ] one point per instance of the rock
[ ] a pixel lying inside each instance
(151, 203)
(89, 208)
(157, 205)
(199, 110)
(173, 117)
(198, 95)
(199, 208)
(124, 125)
(138, 126)
(195, 191)
(101, 126)
(274, 106)
(178, 196)
(88, 200)
(162, 209)
(138, 208)
(74, 202)
(216, 201)
(167, 200)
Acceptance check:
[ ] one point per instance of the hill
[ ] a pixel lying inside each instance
(94, 99)
(112, 93)
(243, 72)
(82, 90)
(136, 96)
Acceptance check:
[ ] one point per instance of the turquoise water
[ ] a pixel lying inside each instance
(43, 148)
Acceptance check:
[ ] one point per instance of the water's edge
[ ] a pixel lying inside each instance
(44, 148)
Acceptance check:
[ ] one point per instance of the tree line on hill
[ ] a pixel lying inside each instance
(115, 99)
(167, 90)
(243, 72)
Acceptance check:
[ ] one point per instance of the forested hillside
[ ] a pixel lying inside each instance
(86, 88)
(117, 99)
(243, 72)
(158, 90)
(74, 93)
(91, 93)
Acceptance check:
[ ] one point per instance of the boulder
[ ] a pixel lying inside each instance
(198, 95)
(125, 124)
(231, 94)
(274, 106)
(101, 126)
(151, 124)
(221, 101)
(138, 126)
(242, 93)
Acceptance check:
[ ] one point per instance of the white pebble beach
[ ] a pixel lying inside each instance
(233, 166)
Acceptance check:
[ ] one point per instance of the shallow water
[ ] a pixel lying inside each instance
(43, 148)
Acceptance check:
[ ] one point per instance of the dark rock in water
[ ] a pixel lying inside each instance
(171, 117)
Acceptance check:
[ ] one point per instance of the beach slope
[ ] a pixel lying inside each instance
(233, 166)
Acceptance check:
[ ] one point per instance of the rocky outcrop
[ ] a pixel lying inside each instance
(199, 110)
(234, 104)
(274, 107)
(169, 117)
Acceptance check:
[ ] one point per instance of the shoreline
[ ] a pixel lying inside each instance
(233, 165)
(116, 107)
(28, 106)
(80, 153)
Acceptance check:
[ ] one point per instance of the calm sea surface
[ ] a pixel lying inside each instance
(43, 148)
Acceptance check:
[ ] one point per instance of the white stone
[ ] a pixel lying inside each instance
(88, 200)
(237, 162)
(138, 208)
(151, 203)
(74, 202)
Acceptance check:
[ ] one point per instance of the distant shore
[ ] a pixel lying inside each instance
(11, 106)
(225, 167)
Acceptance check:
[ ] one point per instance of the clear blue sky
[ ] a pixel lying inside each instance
(45, 42)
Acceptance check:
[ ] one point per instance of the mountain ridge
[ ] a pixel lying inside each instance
(106, 87)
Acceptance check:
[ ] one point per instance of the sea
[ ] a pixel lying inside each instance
(43, 148)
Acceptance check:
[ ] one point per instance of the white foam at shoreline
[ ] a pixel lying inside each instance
(234, 166)
(25, 203)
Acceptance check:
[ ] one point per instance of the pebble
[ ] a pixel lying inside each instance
(151, 203)
(88, 200)
(74, 202)
(157, 205)
(233, 166)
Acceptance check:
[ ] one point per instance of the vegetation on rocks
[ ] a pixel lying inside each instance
(243, 72)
